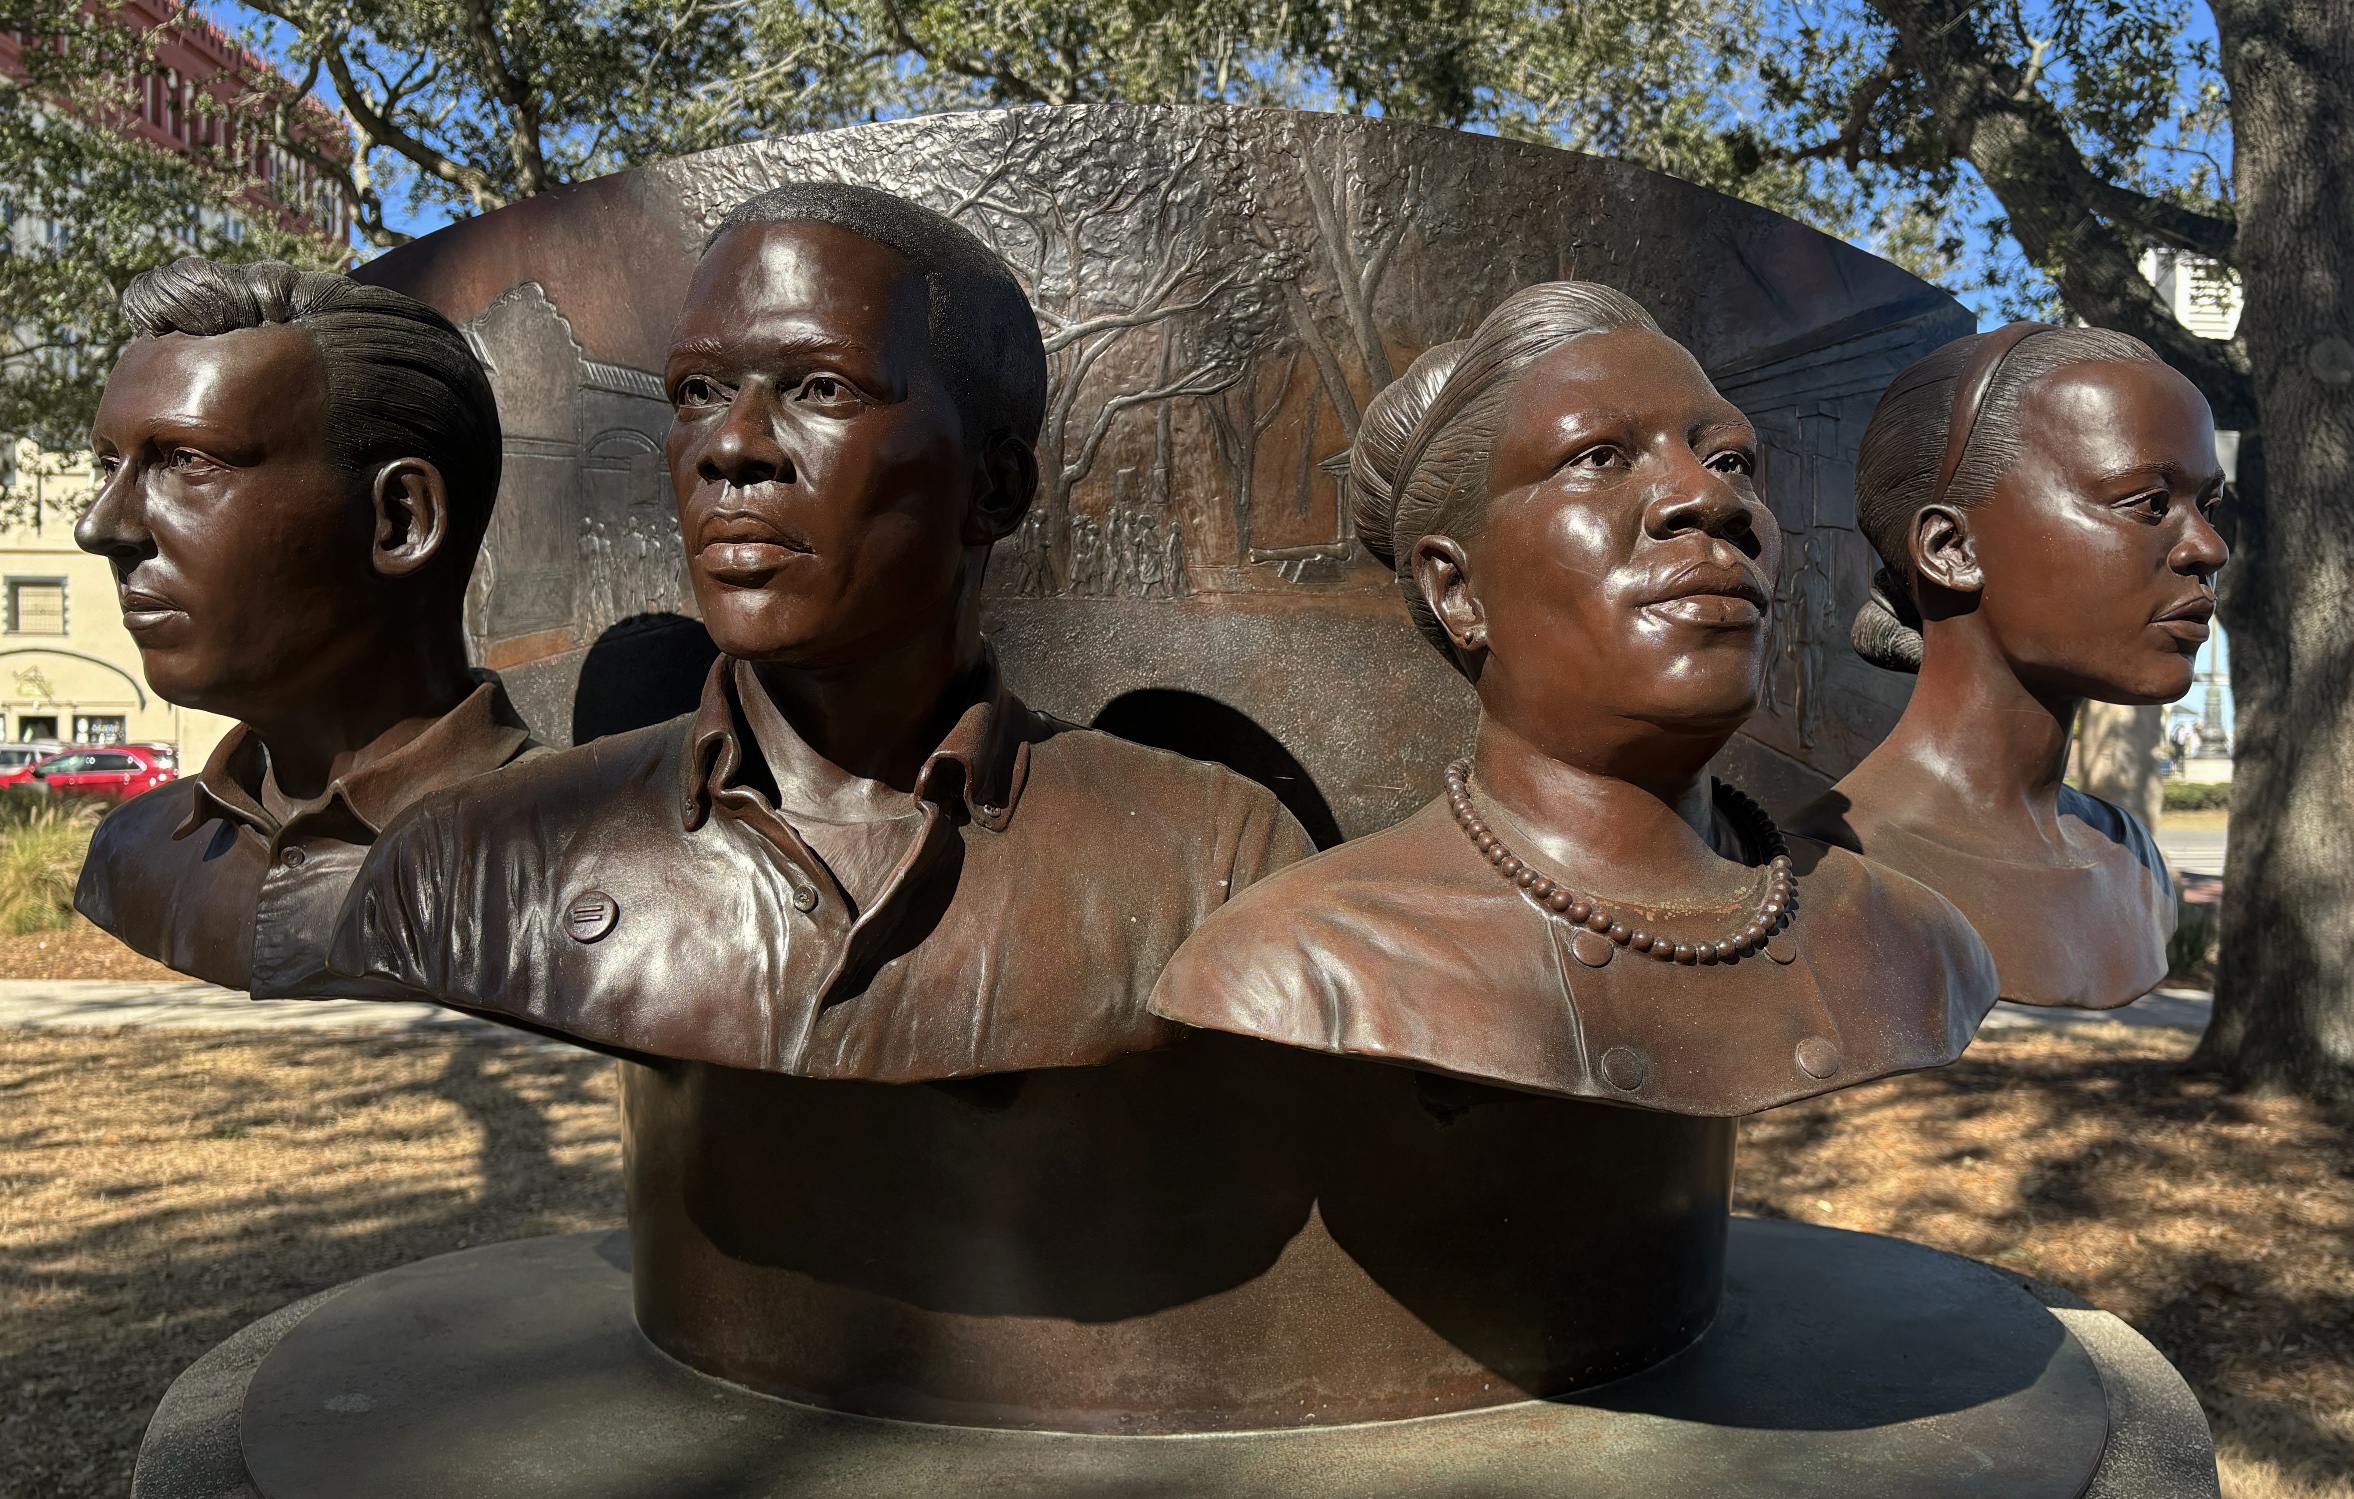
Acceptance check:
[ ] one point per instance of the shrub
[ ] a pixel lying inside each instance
(41, 850)
(2190, 952)
(2198, 796)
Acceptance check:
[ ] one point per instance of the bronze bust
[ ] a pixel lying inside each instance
(2040, 499)
(862, 857)
(1569, 506)
(296, 471)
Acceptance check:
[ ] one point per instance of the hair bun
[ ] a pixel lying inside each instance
(1382, 435)
(1886, 632)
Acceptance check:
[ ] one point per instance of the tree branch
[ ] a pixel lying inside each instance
(381, 129)
(511, 90)
(2059, 209)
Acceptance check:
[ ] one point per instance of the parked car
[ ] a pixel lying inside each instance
(116, 772)
(16, 757)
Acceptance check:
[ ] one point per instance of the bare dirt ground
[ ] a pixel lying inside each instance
(79, 951)
(160, 1189)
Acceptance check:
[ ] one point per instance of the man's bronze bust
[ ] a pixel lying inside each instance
(861, 857)
(295, 474)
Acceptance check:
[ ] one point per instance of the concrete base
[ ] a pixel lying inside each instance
(1842, 1364)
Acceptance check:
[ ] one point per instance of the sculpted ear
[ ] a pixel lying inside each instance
(1442, 574)
(412, 516)
(1944, 552)
(1008, 481)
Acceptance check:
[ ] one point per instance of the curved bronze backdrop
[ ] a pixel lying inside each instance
(1221, 292)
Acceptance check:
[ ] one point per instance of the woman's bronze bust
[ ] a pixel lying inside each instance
(1570, 508)
(2040, 498)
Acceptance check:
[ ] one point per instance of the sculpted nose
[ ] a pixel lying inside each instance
(744, 449)
(2202, 550)
(1693, 497)
(115, 525)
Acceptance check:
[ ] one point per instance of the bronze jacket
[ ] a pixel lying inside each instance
(196, 875)
(641, 893)
(1407, 946)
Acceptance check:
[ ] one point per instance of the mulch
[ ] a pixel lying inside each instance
(159, 1189)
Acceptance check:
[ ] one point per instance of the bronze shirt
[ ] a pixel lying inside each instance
(197, 875)
(2090, 933)
(643, 894)
(1408, 947)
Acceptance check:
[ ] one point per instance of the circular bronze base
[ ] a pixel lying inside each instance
(1842, 1364)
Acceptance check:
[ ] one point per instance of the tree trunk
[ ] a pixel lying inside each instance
(2122, 757)
(2284, 1001)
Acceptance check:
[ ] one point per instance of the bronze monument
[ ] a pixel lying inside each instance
(1571, 511)
(2039, 497)
(903, 1137)
(295, 473)
(861, 857)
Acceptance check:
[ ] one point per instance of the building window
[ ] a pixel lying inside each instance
(36, 606)
(99, 728)
(32, 726)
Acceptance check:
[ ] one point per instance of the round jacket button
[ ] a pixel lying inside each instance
(1626, 1068)
(292, 858)
(1818, 1057)
(590, 915)
(805, 897)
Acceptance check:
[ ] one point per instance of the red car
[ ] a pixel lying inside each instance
(116, 772)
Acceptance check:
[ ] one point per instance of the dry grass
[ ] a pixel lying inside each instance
(41, 849)
(2221, 1227)
(160, 1189)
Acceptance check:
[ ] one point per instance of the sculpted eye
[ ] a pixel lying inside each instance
(697, 390)
(2155, 504)
(1601, 455)
(1731, 462)
(187, 461)
(826, 390)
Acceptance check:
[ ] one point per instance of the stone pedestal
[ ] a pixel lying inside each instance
(1839, 1364)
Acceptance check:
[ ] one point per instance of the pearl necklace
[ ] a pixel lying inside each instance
(1758, 831)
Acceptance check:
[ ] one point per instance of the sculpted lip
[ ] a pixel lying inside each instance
(743, 548)
(1710, 594)
(144, 611)
(2187, 621)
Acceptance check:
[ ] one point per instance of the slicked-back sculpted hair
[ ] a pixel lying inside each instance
(985, 340)
(401, 380)
(1420, 463)
(1904, 446)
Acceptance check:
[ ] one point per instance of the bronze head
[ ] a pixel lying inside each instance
(857, 385)
(295, 472)
(1571, 509)
(2044, 495)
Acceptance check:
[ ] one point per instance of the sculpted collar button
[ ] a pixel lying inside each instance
(590, 915)
(1817, 1057)
(292, 858)
(1591, 948)
(804, 897)
(1625, 1068)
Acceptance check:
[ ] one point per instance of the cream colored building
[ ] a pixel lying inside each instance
(68, 668)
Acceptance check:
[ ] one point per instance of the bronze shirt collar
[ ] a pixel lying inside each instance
(982, 761)
(481, 734)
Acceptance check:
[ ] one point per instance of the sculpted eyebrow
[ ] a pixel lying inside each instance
(715, 348)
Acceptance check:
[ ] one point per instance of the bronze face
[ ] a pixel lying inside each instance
(2092, 564)
(1622, 571)
(241, 549)
(824, 481)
